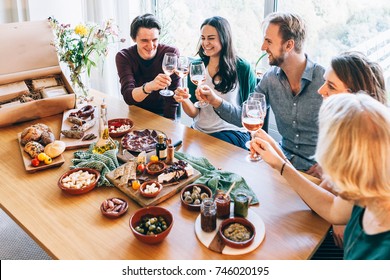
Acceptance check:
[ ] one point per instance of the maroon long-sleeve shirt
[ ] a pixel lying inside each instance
(134, 71)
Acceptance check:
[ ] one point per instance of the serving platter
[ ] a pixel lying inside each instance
(213, 241)
(167, 191)
(137, 141)
(72, 143)
(57, 161)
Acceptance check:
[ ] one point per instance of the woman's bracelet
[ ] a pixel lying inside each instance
(282, 169)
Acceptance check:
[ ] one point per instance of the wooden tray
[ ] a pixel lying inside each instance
(167, 191)
(58, 161)
(72, 143)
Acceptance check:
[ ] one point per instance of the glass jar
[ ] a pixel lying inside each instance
(241, 205)
(208, 215)
(223, 205)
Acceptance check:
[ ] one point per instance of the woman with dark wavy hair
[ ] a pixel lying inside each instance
(229, 79)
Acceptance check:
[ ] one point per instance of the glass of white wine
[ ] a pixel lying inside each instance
(252, 118)
(169, 65)
(182, 68)
(198, 76)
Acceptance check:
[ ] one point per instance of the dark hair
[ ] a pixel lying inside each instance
(147, 20)
(358, 73)
(291, 26)
(227, 68)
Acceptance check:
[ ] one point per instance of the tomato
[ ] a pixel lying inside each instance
(153, 158)
(135, 184)
(42, 156)
(140, 168)
(35, 162)
(48, 160)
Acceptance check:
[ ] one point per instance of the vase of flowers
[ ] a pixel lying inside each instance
(80, 48)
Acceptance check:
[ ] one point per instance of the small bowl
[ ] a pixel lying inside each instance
(117, 123)
(142, 188)
(191, 206)
(108, 207)
(155, 168)
(151, 211)
(237, 244)
(83, 189)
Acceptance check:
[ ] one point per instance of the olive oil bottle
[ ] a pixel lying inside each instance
(105, 142)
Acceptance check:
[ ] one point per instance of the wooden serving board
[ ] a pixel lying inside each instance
(72, 143)
(167, 191)
(58, 161)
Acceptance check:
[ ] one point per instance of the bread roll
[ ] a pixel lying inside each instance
(30, 134)
(55, 149)
(47, 137)
(33, 148)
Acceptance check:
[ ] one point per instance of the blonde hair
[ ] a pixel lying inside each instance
(354, 146)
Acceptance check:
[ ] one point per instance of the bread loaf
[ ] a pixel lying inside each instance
(55, 149)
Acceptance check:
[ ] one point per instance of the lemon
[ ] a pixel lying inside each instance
(154, 158)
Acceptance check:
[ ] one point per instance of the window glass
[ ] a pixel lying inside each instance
(181, 21)
(336, 26)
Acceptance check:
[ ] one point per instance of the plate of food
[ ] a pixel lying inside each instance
(140, 140)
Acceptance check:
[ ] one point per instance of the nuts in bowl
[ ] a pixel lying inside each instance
(237, 232)
(79, 180)
(151, 224)
(114, 207)
(119, 127)
(150, 188)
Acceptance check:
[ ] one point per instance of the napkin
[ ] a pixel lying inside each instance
(217, 179)
(104, 163)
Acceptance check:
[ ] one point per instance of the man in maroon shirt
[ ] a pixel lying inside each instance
(140, 69)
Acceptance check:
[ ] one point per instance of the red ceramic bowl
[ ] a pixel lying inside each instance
(115, 127)
(189, 188)
(114, 207)
(155, 168)
(149, 212)
(85, 188)
(237, 244)
(143, 192)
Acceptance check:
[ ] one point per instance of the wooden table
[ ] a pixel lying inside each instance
(72, 227)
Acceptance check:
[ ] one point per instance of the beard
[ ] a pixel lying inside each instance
(277, 60)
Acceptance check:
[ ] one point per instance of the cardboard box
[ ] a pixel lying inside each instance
(27, 54)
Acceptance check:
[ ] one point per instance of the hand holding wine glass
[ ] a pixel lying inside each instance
(252, 117)
(198, 76)
(261, 98)
(169, 65)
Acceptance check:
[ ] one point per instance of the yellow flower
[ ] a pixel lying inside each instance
(81, 30)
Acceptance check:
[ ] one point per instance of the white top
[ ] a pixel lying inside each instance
(208, 121)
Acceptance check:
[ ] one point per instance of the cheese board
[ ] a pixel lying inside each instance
(57, 161)
(77, 143)
(168, 190)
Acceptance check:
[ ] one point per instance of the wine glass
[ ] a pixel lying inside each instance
(182, 68)
(198, 76)
(252, 118)
(169, 65)
(259, 97)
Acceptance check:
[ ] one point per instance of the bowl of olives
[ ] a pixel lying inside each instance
(151, 224)
(192, 195)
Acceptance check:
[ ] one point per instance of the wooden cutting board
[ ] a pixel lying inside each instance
(72, 143)
(166, 192)
(58, 161)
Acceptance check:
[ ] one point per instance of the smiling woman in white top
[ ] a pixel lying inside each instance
(229, 79)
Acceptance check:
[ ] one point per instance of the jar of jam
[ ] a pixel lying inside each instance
(208, 215)
(241, 204)
(223, 205)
